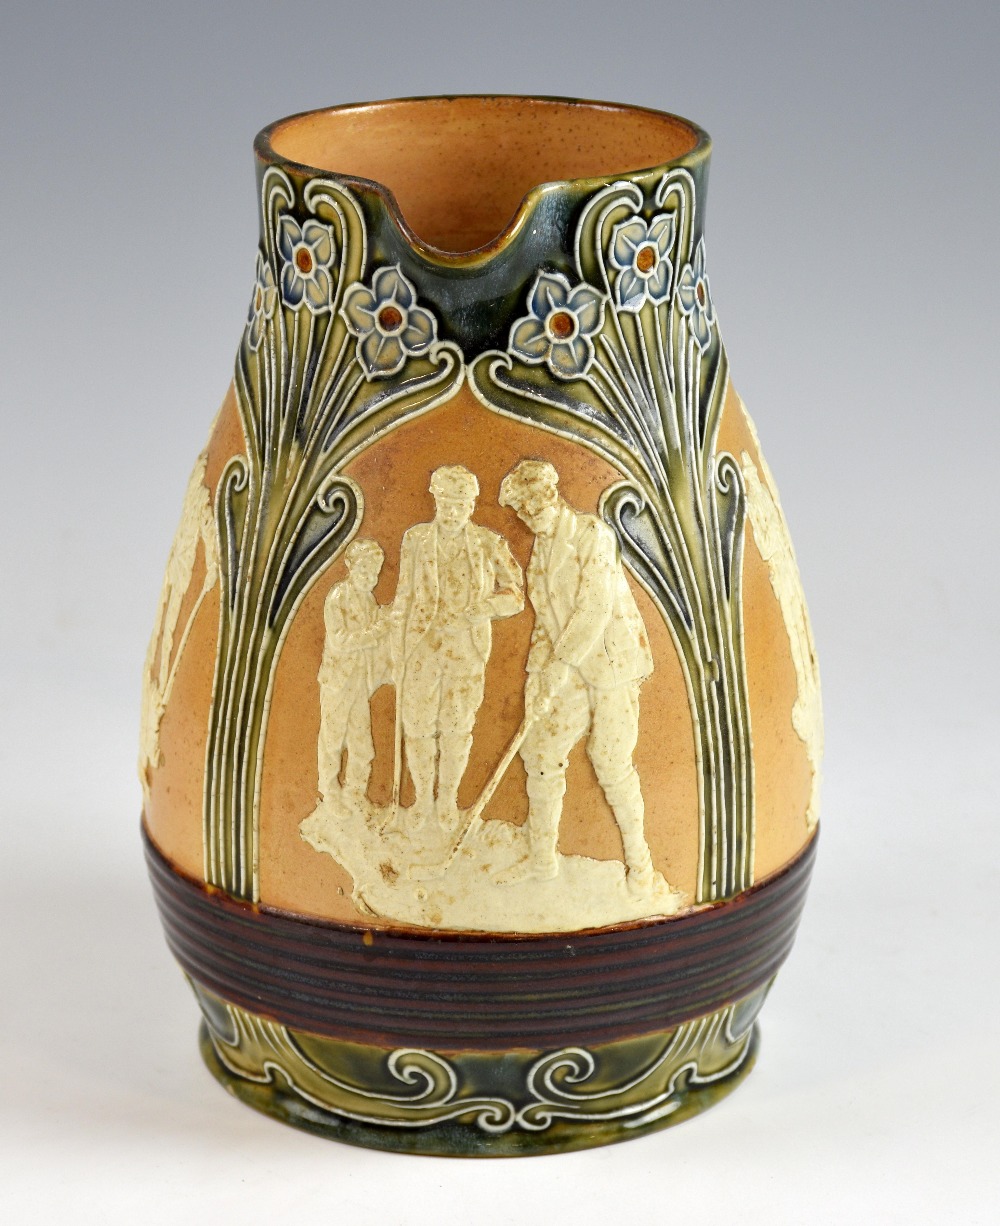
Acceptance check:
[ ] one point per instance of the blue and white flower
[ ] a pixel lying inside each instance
(389, 325)
(307, 252)
(640, 250)
(559, 325)
(695, 298)
(262, 304)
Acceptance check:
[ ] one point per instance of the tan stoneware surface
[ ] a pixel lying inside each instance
(394, 474)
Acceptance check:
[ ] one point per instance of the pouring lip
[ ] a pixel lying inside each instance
(697, 154)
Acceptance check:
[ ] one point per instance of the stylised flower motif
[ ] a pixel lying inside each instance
(389, 325)
(695, 298)
(265, 294)
(307, 252)
(640, 249)
(559, 326)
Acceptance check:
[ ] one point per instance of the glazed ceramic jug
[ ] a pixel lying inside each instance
(481, 727)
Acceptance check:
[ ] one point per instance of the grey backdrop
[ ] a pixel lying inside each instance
(853, 250)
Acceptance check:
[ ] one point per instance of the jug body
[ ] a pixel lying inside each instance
(481, 728)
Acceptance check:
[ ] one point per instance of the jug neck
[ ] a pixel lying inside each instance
(469, 197)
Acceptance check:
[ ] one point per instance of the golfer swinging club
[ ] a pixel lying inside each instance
(588, 658)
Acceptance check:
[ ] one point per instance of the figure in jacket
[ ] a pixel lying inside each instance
(588, 658)
(455, 579)
(355, 663)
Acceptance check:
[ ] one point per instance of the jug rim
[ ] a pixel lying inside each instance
(268, 154)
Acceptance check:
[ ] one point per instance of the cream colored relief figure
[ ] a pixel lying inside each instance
(355, 664)
(197, 525)
(455, 579)
(433, 863)
(770, 531)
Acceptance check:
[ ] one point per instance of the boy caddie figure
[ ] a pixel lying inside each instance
(588, 658)
(455, 578)
(355, 664)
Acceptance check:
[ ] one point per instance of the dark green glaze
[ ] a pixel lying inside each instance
(477, 295)
(471, 1104)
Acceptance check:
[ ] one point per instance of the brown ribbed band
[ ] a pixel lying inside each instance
(448, 991)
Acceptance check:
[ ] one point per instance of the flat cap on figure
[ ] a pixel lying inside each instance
(454, 481)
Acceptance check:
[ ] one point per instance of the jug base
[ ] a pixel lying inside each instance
(480, 1104)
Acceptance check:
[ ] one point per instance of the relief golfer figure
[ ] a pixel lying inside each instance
(455, 578)
(589, 655)
(355, 663)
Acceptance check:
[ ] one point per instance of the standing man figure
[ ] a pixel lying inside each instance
(455, 578)
(589, 655)
(355, 664)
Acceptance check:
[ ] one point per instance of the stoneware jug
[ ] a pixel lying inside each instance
(481, 726)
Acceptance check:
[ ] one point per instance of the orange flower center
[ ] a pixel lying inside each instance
(304, 260)
(390, 318)
(562, 325)
(646, 258)
(699, 293)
